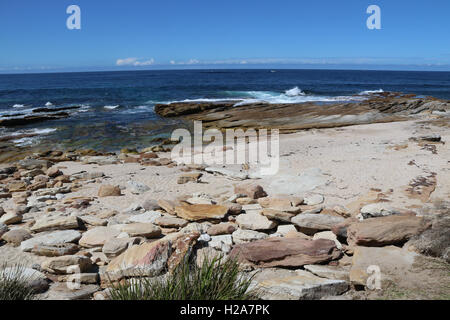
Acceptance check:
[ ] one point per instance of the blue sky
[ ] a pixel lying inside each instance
(147, 34)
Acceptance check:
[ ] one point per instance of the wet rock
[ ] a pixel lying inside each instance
(285, 252)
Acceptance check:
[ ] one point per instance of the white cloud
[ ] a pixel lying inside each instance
(134, 62)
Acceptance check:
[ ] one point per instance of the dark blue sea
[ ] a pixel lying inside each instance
(116, 108)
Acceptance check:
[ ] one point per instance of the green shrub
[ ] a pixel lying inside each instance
(216, 279)
(14, 284)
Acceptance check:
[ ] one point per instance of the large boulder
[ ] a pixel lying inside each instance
(286, 252)
(382, 231)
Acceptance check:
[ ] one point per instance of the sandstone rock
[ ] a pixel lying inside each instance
(55, 250)
(94, 221)
(189, 177)
(198, 227)
(60, 291)
(10, 218)
(84, 278)
(114, 247)
(245, 201)
(50, 239)
(3, 229)
(329, 272)
(222, 243)
(282, 230)
(16, 236)
(285, 252)
(393, 263)
(149, 258)
(279, 284)
(250, 190)
(221, 228)
(150, 205)
(168, 206)
(67, 264)
(17, 186)
(313, 199)
(278, 215)
(53, 172)
(171, 222)
(244, 236)
(182, 248)
(383, 231)
(146, 217)
(97, 237)
(137, 187)
(147, 230)
(233, 208)
(55, 223)
(316, 222)
(328, 235)
(109, 191)
(207, 254)
(379, 209)
(254, 221)
(201, 211)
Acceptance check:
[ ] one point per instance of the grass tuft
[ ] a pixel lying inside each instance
(216, 279)
(14, 284)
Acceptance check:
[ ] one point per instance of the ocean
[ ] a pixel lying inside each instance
(116, 108)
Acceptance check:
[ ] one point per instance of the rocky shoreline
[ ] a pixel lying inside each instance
(345, 199)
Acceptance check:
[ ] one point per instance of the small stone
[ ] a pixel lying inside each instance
(16, 236)
(244, 236)
(189, 177)
(278, 215)
(67, 264)
(56, 223)
(53, 172)
(97, 237)
(201, 211)
(147, 230)
(10, 218)
(245, 200)
(222, 243)
(377, 210)
(170, 222)
(221, 228)
(316, 222)
(255, 221)
(328, 235)
(137, 187)
(109, 191)
(250, 190)
(312, 200)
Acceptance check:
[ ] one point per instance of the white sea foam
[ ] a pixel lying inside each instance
(49, 104)
(369, 92)
(294, 92)
(19, 106)
(111, 107)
